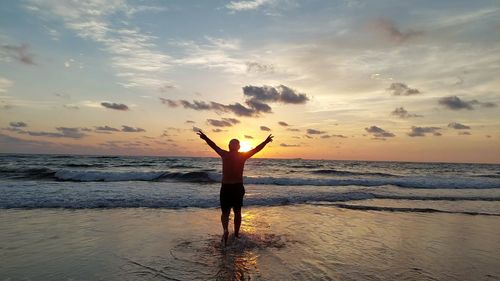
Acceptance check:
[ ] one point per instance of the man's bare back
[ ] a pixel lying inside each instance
(232, 189)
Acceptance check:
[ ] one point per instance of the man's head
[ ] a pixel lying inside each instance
(234, 145)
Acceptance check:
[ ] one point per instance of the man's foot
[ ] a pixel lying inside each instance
(224, 237)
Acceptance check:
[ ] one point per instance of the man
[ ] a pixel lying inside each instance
(232, 189)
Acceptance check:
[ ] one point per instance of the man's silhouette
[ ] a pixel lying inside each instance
(232, 189)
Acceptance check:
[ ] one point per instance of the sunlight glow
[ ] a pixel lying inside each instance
(245, 146)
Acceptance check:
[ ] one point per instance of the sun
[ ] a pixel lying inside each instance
(245, 146)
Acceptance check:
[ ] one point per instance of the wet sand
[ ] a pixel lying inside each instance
(299, 242)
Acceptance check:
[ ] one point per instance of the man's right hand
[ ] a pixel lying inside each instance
(269, 138)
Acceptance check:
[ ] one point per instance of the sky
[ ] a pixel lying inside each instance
(348, 79)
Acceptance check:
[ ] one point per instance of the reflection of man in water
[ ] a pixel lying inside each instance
(232, 189)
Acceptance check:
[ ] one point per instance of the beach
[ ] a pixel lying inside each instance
(300, 242)
(67, 217)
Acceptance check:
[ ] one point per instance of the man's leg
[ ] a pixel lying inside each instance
(224, 218)
(237, 221)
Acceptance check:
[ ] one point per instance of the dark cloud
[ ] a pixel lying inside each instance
(256, 102)
(422, 131)
(19, 53)
(458, 126)
(464, 133)
(308, 136)
(248, 137)
(488, 104)
(225, 122)
(403, 113)
(281, 94)
(289, 145)
(401, 89)
(115, 106)
(259, 106)
(63, 132)
(455, 103)
(255, 67)
(264, 128)
(18, 124)
(217, 130)
(333, 136)
(315, 132)
(293, 130)
(389, 29)
(106, 128)
(196, 129)
(289, 95)
(284, 124)
(190, 122)
(129, 129)
(236, 108)
(169, 102)
(379, 132)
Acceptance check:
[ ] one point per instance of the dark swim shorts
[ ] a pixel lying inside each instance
(231, 196)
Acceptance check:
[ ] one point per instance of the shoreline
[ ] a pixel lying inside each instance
(291, 242)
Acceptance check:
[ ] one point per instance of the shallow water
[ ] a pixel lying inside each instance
(299, 242)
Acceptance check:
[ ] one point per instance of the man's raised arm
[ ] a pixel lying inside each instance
(259, 147)
(212, 144)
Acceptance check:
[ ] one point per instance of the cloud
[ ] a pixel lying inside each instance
(293, 130)
(281, 93)
(129, 129)
(19, 53)
(215, 53)
(401, 89)
(132, 52)
(403, 113)
(63, 132)
(115, 106)
(18, 124)
(106, 128)
(458, 126)
(389, 29)
(264, 128)
(195, 129)
(255, 67)
(5, 84)
(284, 124)
(256, 101)
(248, 137)
(379, 132)
(315, 132)
(258, 106)
(218, 130)
(190, 122)
(455, 103)
(333, 136)
(71, 106)
(422, 131)
(225, 122)
(464, 133)
(289, 145)
(246, 5)
(236, 108)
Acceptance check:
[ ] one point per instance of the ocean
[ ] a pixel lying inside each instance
(76, 182)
